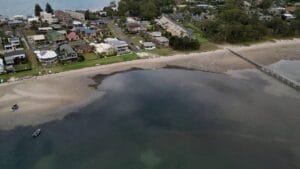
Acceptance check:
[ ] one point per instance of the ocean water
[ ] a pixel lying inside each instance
(26, 7)
(167, 119)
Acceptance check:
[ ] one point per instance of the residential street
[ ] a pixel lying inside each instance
(120, 35)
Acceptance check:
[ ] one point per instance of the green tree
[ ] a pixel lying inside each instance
(265, 4)
(87, 14)
(279, 27)
(148, 10)
(49, 8)
(37, 10)
(297, 13)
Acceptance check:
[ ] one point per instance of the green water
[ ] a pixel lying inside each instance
(166, 119)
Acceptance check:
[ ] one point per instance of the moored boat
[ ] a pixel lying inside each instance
(36, 133)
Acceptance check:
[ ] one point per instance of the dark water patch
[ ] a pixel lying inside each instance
(165, 119)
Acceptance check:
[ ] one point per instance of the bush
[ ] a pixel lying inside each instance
(185, 43)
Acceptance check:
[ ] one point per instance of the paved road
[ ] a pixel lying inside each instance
(120, 35)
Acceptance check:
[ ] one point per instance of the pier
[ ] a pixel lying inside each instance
(289, 82)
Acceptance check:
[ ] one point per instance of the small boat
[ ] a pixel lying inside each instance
(15, 107)
(36, 133)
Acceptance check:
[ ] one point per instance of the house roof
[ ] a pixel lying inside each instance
(37, 37)
(101, 47)
(72, 35)
(67, 48)
(162, 39)
(14, 52)
(155, 34)
(46, 54)
(86, 30)
(148, 44)
(115, 42)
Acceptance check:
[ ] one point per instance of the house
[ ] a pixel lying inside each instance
(172, 27)
(120, 46)
(277, 11)
(76, 15)
(55, 37)
(45, 29)
(56, 26)
(63, 17)
(72, 36)
(155, 34)
(205, 6)
(2, 67)
(288, 16)
(33, 19)
(19, 17)
(134, 26)
(10, 57)
(162, 41)
(159, 39)
(87, 32)
(48, 17)
(104, 49)
(15, 41)
(77, 24)
(9, 47)
(46, 56)
(37, 40)
(14, 23)
(148, 45)
(66, 52)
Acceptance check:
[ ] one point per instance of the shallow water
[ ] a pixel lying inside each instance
(26, 7)
(289, 68)
(167, 118)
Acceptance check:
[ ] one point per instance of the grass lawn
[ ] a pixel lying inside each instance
(100, 61)
(28, 32)
(22, 67)
(90, 56)
(163, 51)
(72, 66)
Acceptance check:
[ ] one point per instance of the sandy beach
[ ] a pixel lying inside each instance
(51, 97)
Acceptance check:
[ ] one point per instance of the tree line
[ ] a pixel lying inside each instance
(146, 9)
(38, 9)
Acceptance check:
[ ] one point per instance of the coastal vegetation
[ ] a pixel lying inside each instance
(233, 24)
(147, 9)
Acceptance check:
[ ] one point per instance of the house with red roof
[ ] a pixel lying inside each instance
(72, 36)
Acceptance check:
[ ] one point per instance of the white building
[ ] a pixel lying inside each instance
(2, 67)
(104, 48)
(33, 19)
(45, 29)
(172, 27)
(48, 17)
(149, 45)
(288, 16)
(120, 46)
(46, 56)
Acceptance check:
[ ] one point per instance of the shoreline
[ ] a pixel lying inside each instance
(40, 97)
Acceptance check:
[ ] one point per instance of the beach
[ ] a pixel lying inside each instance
(51, 97)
